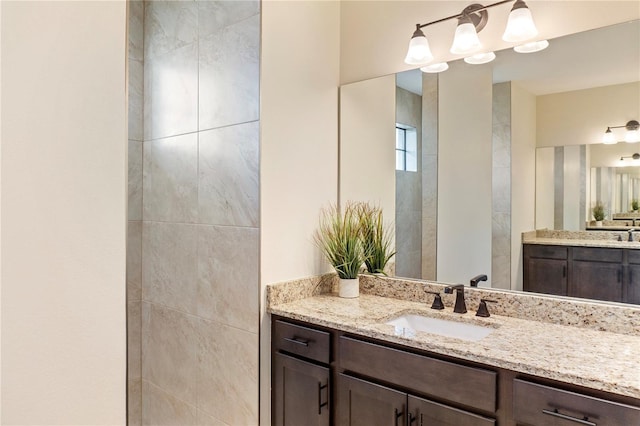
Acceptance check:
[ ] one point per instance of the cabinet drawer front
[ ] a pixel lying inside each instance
(545, 252)
(468, 386)
(634, 256)
(597, 254)
(303, 341)
(431, 413)
(542, 405)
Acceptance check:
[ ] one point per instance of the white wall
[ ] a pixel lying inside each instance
(572, 184)
(299, 147)
(464, 173)
(545, 188)
(368, 143)
(63, 213)
(376, 34)
(581, 116)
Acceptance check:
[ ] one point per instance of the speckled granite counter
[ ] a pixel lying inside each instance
(605, 239)
(582, 356)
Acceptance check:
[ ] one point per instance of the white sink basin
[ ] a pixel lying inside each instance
(405, 324)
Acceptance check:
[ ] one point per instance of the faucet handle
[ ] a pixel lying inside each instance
(437, 301)
(483, 311)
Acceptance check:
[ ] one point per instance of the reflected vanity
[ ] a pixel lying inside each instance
(499, 150)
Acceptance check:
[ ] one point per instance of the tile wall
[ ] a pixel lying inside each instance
(501, 187)
(194, 206)
(134, 229)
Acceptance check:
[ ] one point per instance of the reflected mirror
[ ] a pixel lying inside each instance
(465, 161)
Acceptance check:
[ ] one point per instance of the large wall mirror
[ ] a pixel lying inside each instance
(465, 161)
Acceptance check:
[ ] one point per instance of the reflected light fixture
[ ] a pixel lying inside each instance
(632, 135)
(434, 68)
(471, 21)
(635, 156)
(480, 58)
(531, 47)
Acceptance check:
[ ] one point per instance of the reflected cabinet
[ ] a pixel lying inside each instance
(608, 274)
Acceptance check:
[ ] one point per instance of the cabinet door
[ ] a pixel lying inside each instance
(301, 393)
(547, 276)
(633, 285)
(363, 403)
(596, 280)
(428, 413)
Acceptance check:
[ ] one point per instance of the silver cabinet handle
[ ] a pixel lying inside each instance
(556, 413)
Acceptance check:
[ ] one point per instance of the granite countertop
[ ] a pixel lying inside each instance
(595, 359)
(582, 243)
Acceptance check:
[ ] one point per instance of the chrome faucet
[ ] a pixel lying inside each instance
(460, 307)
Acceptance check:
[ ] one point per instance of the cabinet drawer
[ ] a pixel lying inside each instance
(597, 254)
(545, 252)
(303, 341)
(432, 413)
(542, 405)
(634, 256)
(472, 387)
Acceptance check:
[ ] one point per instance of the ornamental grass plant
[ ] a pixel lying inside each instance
(376, 238)
(598, 211)
(339, 238)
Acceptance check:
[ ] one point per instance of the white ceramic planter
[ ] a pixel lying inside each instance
(349, 288)
(598, 223)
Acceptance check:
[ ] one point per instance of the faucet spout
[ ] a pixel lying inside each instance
(475, 280)
(460, 306)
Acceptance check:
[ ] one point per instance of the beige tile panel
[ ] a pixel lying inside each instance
(134, 177)
(214, 15)
(134, 402)
(228, 373)
(228, 275)
(169, 265)
(136, 87)
(134, 261)
(169, 25)
(160, 408)
(169, 358)
(134, 342)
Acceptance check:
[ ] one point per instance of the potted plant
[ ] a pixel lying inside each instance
(598, 213)
(635, 205)
(376, 238)
(339, 238)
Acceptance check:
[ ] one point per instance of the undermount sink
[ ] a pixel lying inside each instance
(459, 330)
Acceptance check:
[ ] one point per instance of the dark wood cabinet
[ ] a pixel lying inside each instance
(302, 392)
(596, 280)
(367, 404)
(545, 269)
(588, 272)
(368, 382)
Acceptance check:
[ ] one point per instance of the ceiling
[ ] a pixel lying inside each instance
(600, 57)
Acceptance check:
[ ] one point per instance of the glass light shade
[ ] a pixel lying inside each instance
(534, 46)
(520, 26)
(465, 40)
(632, 136)
(480, 58)
(419, 51)
(439, 67)
(608, 138)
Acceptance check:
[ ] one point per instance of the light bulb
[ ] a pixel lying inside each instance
(520, 26)
(466, 38)
(419, 51)
(608, 138)
(434, 68)
(480, 58)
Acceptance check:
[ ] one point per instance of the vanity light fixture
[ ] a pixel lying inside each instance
(632, 134)
(480, 58)
(531, 47)
(471, 21)
(635, 156)
(434, 68)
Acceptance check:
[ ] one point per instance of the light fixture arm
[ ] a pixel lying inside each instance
(631, 125)
(468, 11)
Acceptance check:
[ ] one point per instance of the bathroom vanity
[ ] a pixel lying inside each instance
(592, 269)
(336, 361)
